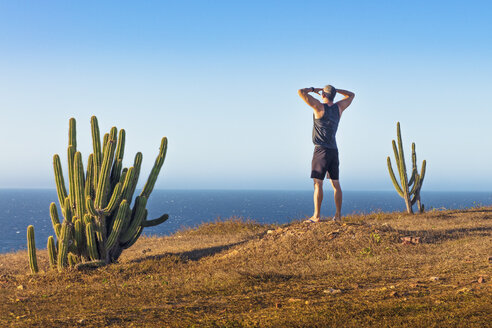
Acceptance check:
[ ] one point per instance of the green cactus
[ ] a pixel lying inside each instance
(52, 251)
(63, 243)
(31, 248)
(99, 220)
(54, 217)
(91, 241)
(408, 190)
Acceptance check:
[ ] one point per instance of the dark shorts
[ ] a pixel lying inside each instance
(324, 160)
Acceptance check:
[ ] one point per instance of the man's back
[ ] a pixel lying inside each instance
(325, 127)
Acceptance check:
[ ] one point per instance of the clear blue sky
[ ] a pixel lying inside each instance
(220, 80)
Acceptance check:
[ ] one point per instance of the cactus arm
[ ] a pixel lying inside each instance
(115, 173)
(51, 251)
(72, 259)
(71, 175)
(60, 182)
(54, 215)
(137, 164)
(91, 241)
(79, 236)
(412, 179)
(79, 185)
(136, 219)
(31, 247)
(63, 246)
(89, 177)
(414, 157)
(135, 236)
(105, 142)
(393, 178)
(395, 151)
(67, 210)
(125, 190)
(90, 206)
(120, 149)
(422, 171)
(87, 219)
(114, 201)
(133, 239)
(96, 145)
(149, 185)
(414, 165)
(118, 223)
(403, 168)
(58, 231)
(123, 175)
(72, 133)
(101, 237)
(154, 222)
(89, 265)
(104, 174)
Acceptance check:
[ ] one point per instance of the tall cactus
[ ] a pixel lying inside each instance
(408, 190)
(99, 220)
(31, 248)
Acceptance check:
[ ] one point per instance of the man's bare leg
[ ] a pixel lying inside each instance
(338, 199)
(318, 199)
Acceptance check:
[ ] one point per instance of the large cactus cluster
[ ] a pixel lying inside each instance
(408, 190)
(99, 221)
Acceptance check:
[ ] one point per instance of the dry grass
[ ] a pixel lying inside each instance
(242, 274)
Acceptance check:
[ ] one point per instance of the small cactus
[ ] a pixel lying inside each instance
(409, 190)
(52, 252)
(31, 248)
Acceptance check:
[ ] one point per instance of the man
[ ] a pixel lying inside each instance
(325, 158)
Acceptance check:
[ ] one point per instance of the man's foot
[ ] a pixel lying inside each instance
(336, 219)
(312, 220)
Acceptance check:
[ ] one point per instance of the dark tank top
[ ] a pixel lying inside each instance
(325, 128)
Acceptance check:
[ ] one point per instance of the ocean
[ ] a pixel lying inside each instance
(189, 208)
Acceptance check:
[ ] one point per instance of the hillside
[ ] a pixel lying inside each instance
(363, 272)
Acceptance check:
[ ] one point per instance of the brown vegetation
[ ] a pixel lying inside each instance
(242, 274)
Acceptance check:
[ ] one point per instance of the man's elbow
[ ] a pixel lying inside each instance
(300, 92)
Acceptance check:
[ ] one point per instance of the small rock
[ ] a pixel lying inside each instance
(20, 287)
(81, 321)
(278, 305)
(332, 291)
(409, 240)
(481, 279)
(463, 290)
(269, 231)
(294, 300)
(434, 278)
(394, 294)
(307, 302)
(490, 259)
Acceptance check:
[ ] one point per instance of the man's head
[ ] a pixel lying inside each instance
(329, 92)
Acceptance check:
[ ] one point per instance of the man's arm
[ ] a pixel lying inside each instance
(346, 101)
(310, 100)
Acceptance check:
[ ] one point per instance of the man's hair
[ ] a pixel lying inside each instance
(330, 92)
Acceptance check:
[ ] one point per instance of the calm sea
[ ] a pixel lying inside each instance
(189, 208)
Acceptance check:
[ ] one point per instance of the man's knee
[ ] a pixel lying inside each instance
(336, 185)
(318, 183)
